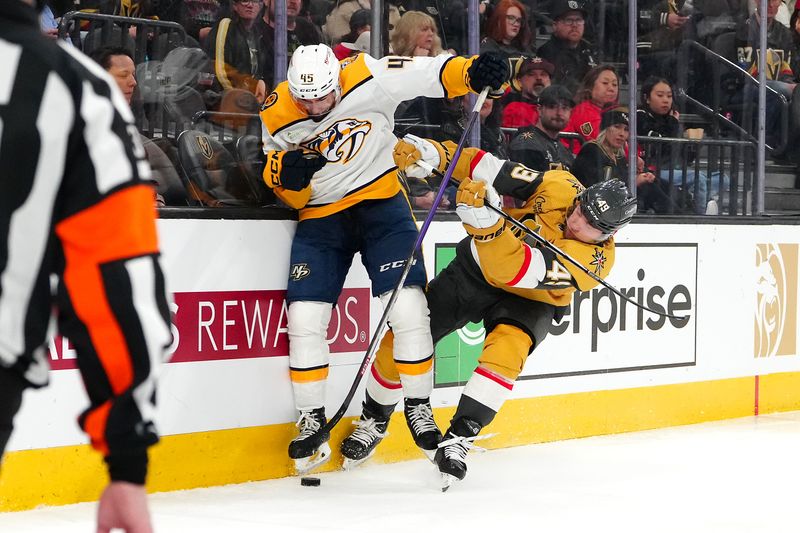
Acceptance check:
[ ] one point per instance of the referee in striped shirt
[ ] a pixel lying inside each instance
(77, 231)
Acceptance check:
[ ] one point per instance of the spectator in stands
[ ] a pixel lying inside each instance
(196, 16)
(237, 51)
(338, 22)
(520, 107)
(657, 117)
(779, 73)
(662, 26)
(538, 147)
(449, 16)
(597, 93)
(782, 13)
(118, 62)
(359, 23)
(315, 11)
(508, 30)
(47, 21)
(300, 32)
(361, 45)
(567, 50)
(416, 35)
(492, 138)
(604, 158)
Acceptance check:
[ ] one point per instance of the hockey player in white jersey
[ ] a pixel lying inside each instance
(328, 140)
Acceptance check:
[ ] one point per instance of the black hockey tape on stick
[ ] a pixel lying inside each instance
(375, 341)
(558, 251)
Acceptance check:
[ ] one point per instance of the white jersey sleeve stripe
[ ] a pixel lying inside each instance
(29, 231)
(109, 158)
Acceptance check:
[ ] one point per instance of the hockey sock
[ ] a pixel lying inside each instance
(505, 350)
(383, 382)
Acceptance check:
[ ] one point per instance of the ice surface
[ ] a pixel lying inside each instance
(731, 476)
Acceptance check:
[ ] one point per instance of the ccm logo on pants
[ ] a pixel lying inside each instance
(395, 264)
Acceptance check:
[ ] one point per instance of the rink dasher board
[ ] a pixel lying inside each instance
(738, 284)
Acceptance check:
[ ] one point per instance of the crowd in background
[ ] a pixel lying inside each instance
(562, 108)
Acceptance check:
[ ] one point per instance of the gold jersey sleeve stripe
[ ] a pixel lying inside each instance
(415, 369)
(453, 76)
(308, 375)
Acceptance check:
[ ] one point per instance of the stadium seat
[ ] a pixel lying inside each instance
(210, 173)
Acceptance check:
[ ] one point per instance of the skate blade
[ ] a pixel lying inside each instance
(447, 480)
(307, 464)
(350, 464)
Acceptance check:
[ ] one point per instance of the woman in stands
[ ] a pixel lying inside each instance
(508, 30)
(416, 35)
(603, 158)
(657, 117)
(598, 92)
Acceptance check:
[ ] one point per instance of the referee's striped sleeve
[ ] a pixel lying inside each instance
(74, 202)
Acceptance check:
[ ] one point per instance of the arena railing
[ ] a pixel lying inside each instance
(105, 30)
(722, 170)
(724, 71)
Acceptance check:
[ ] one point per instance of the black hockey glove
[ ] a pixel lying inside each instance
(489, 68)
(293, 170)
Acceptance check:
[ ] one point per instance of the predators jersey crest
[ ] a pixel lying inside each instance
(342, 141)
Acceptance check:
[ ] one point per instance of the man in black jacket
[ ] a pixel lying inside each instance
(300, 32)
(235, 46)
(537, 147)
(567, 49)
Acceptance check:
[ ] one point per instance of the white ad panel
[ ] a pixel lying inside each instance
(738, 284)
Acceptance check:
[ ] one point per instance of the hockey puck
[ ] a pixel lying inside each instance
(310, 481)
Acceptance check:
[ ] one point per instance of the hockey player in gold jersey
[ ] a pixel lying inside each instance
(328, 139)
(503, 278)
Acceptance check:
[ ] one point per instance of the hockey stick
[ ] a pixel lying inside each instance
(558, 251)
(379, 331)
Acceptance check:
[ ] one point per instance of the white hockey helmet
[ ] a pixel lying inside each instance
(313, 72)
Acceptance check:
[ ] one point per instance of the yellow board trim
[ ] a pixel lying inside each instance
(70, 474)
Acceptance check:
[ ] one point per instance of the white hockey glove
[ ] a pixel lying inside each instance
(480, 222)
(411, 149)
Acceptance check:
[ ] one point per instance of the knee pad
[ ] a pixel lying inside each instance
(308, 328)
(410, 322)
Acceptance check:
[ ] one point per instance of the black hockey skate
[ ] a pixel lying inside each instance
(451, 457)
(309, 452)
(361, 443)
(419, 417)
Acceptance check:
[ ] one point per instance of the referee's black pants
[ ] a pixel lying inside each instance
(12, 386)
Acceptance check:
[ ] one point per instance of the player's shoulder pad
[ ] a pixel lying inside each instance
(356, 71)
(560, 187)
(279, 111)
